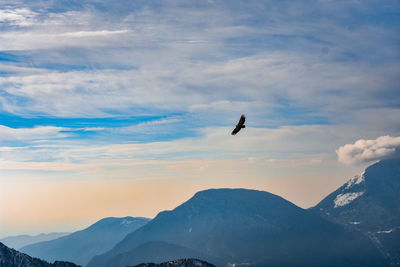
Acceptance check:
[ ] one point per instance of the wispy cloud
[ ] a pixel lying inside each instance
(294, 144)
(40, 132)
(264, 63)
(18, 17)
(255, 84)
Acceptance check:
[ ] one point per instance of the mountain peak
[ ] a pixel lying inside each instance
(118, 221)
(370, 203)
(236, 196)
(379, 182)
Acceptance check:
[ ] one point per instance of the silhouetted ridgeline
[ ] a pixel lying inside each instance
(178, 263)
(11, 258)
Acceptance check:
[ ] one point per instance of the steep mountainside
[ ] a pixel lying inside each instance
(370, 203)
(249, 227)
(178, 263)
(81, 246)
(12, 258)
(19, 241)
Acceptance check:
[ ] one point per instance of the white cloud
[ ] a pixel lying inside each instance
(369, 150)
(80, 34)
(18, 16)
(252, 84)
(255, 145)
(40, 132)
(181, 60)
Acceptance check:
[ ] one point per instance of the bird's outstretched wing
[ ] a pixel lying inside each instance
(242, 120)
(240, 125)
(236, 130)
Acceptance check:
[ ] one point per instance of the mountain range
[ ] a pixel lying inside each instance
(79, 247)
(19, 241)
(249, 228)
(356, 225)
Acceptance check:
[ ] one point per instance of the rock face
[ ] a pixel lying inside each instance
(79, 247)
(178, 263)
(12, 258)
(248, 228)
(370, 203)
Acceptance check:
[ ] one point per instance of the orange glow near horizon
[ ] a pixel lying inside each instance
(48, 205)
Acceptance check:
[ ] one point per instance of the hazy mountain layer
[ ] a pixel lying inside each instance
(79, 247)
(253, 228)
(19, 241)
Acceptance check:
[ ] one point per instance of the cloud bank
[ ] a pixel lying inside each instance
(369, 150)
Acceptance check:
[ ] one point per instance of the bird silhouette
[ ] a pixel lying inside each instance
(240, 125)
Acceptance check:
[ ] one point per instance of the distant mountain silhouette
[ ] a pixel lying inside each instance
(11, 258)
(248, 227)
(79, 247)
(370, 203)
(178, 263)
(19, 241)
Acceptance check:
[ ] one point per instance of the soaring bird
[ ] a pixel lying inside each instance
(240, 125)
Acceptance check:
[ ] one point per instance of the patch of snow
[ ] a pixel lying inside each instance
(344, 199)
(385, 232)
(356, 180)
(126, 222)
(354, 222)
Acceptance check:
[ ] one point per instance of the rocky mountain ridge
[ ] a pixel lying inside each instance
(11, 258)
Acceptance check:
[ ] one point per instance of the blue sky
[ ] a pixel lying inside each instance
(137, 90)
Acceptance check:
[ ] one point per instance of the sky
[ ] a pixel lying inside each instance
(117, 108)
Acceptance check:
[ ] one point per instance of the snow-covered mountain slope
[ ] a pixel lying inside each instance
(370, 202)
